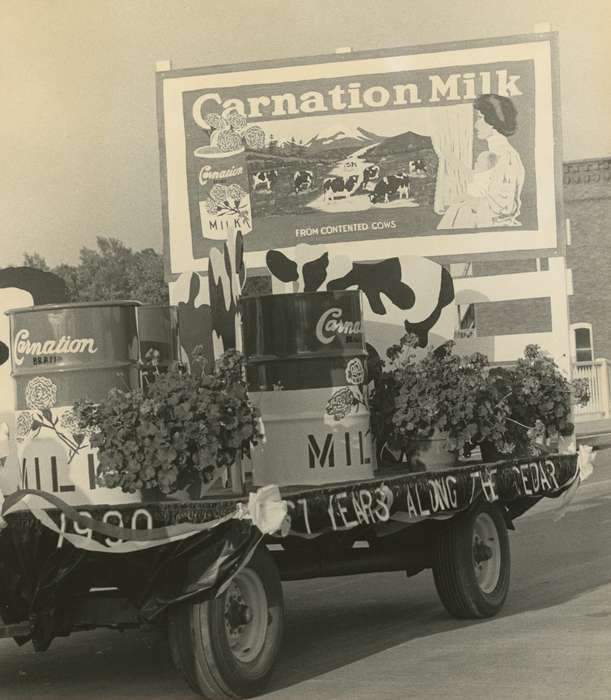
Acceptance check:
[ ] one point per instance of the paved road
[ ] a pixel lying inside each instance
(388, 637)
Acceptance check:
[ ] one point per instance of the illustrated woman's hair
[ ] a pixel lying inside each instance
(499, 112)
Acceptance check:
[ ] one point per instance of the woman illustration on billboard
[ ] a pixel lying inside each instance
(493, 194)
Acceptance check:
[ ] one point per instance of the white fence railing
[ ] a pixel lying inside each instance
(597, 375)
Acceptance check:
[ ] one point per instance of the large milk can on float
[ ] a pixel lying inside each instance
(60, 354)
(307, 373)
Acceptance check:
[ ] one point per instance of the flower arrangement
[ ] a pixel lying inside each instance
(180, 435)
(519, 409)
(540, 398)
(443, 392)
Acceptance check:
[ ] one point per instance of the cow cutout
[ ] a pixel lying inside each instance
(207, 303)
(19, 287)
(404, 293)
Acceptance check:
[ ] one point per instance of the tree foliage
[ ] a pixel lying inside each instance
(112, 271)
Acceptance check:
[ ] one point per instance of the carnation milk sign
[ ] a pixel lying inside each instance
(368, 171)
(442, 151)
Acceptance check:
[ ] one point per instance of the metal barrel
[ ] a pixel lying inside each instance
(307, 372)
(158, 337)
(60, 354)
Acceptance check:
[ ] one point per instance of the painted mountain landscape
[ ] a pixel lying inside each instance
(338, 170)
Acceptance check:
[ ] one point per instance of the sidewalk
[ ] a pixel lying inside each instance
(594, 432)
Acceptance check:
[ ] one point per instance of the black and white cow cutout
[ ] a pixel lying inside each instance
(207, 304)
(19, 287)
(403, 293)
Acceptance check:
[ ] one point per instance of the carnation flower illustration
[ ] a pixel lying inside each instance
(229, 132)
(229, 200)
(355, 372)
(23, 425)
(41, 397)
(341, 402)
(40, 393)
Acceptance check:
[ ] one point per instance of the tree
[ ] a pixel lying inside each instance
(69, 273)
(36, 261)
(111, 272)
(114, 272)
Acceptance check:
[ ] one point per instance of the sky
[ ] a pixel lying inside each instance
(78, 122)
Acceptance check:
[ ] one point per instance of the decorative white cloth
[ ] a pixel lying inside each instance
(585, 468)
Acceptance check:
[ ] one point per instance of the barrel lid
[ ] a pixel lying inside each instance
(330, 292)
(74, 305)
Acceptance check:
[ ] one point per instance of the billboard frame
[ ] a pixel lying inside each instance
(550, 38)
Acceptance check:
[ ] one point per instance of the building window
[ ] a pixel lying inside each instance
(583, 347)
(466, 322)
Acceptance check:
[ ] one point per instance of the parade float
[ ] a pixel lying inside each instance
(175, 465)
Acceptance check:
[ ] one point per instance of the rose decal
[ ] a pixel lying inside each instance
(70, 423)
(340, 403)
(23, 425)
(41, 397)
(40, 393)
(355, 372)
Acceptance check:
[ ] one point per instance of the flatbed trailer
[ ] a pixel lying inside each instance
(211, 570)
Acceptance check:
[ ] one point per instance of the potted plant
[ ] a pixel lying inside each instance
(434, 407)
(540, 400)
(179, 435)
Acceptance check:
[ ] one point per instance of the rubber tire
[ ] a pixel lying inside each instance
(200, 649)
(453, 569)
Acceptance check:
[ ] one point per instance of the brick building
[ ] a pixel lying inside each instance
(587, 208)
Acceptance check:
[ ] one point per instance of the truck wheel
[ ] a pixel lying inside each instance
(226, 647)
(472, 563)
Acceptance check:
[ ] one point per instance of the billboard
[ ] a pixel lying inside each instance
(447, 151)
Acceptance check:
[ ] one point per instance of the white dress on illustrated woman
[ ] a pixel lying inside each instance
(494, 194)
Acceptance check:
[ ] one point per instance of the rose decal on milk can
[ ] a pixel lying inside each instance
(40, 393)
(224, 199)
(43, 415)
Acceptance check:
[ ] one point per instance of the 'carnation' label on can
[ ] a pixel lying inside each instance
(331, 324)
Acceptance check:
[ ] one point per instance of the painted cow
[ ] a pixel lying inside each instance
(417, 167)
(371, 172)
(391, 187)
(339, 187)
(303, 181)
(264, 180)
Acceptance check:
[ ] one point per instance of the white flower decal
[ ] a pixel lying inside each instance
(40, 393)
(355, 372)
(23, 425)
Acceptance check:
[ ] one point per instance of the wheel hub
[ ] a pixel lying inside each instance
(486, 553)
(246, 616)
